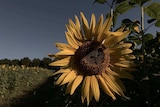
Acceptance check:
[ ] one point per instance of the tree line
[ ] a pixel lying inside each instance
(36, 62)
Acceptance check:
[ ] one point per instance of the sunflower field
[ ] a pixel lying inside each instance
(18, 80)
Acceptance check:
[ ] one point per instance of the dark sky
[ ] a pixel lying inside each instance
(30, 28)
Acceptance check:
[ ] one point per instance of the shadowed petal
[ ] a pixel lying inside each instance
(76, 83)
(95, 88)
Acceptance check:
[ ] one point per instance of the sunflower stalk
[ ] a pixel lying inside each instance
(144, 55)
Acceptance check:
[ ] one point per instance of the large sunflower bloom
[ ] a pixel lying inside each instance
(94, 57)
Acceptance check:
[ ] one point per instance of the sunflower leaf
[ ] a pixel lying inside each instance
(153, 10)
(123, 7)
(157, 24)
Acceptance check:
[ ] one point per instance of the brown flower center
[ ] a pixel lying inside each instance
(92, 58)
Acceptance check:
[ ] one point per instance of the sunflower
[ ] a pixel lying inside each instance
(95, 58)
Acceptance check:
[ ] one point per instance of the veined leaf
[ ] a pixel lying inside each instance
(153, 10)
(123, 7)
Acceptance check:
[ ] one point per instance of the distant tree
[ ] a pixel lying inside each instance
(15, 62)
(45, 61)
(5, 61)
(25, 61)
(36, 62)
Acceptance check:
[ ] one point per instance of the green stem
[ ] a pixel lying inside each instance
(144, 57)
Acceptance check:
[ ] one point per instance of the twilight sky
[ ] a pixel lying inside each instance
(30, 28)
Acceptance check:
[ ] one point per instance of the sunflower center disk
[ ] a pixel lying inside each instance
(92, 58)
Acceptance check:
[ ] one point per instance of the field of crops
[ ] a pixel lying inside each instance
(17, 80)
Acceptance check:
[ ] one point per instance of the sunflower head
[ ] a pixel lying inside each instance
(94, 57)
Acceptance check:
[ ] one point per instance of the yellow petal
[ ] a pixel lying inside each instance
(71, 40)
(68, 89)
(109, 71)
(65, 52)
(63, 46)
(73, 30)
(61, 62)
(122, 73)
(85, 87)
(93, 23)
(85, 26)
(121, 46)
(126, 51)
(125, 64)
(105, 87)
(112, 84)
(61, 78)
(121, 29)
(127, 57)
(76, 83)
(107, 24)
(98, 27)
(84, 20)
(62, 71)
(95, 88)
(78, 25)
(69, 77)
(116, 38)
(105, 28)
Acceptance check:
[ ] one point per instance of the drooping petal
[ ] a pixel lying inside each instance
(69, 77)
(95, 88)
(122, 74)
(125, 64)
(112, 84)
(120, 47)
(68, 88)
(85, 87)
(76, 83)
(61, 78)
(105, 87)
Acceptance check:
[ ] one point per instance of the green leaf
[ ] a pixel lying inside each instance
(123, 7)
(147, 37)
(153, 10)
(100, 1)
(157, 24)
(139, 2)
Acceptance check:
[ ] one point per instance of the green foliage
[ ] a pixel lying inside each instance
(138, 2)
(122, 7)
(147, 37)
(157, 23)
(152, 10)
